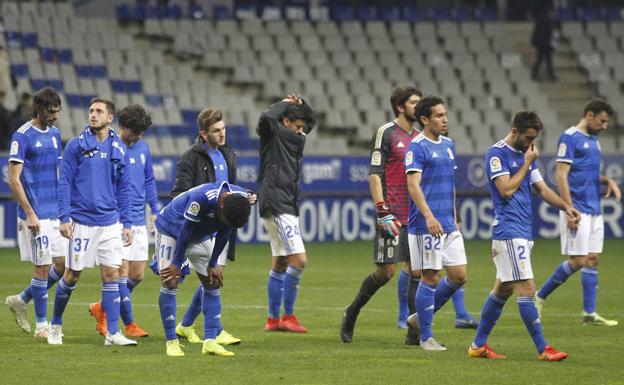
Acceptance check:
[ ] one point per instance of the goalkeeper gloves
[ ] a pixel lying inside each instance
(386, 221)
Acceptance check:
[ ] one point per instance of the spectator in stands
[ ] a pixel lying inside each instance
(543, 41)
(209, 160)
(22, 113)
(5, 129)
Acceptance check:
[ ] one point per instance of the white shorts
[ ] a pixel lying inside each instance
(512, 258)
(198, 254)
(433, 253)
(94, 245)
(284, 235)
(587, 238)
(40, 249)
(138, 250)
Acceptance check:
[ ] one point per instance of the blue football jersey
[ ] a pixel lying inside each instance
(512, 217)
(220, 167)
(436, 162)
(198, 205)
(582, 152)
(39, 151)
(142, 182)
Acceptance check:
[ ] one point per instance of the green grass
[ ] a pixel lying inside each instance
(376, 356)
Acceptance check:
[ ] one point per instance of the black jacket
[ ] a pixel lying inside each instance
(195, 167)
(281, 151)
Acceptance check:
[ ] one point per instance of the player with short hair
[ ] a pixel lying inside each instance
(33, 178)
(579, 182)
(197, 225)
(282, 129)
(94, 197)
(434, 239)
(512, 171)
(209, 160)
(133, 122)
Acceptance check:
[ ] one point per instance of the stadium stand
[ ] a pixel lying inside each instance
(176, 60)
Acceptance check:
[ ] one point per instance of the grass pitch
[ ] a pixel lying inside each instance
(377, 354)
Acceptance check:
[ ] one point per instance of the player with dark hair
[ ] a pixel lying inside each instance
(133, 122)
(389, 192)
(512, 171)
(94, 204)
(197, 225)
(434, 239)
(33, 178)
(579, 182)
(282, 129)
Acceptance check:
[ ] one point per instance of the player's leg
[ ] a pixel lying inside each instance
(275, 283)
(456, 265)
(490, 313)
(165, 245)
(132, 270)
(402, 285)
(296, 265)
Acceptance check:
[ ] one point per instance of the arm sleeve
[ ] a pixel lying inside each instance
(496, 164)
(565, 149)
(414, 158)
(69, 167)
(151, 195)
(59, 149)
(17, 152)
(123, 193)
(184, 175)
(222, 240)
(270, 118)
(380, 149)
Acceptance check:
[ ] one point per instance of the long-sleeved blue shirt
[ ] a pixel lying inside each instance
(142, 182)
(192, 217)
(94, 185)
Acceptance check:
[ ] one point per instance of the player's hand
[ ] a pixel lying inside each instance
(152, 224)
(531, 154)
(612, 187)
(574, 218)
(66, 230)
(170, 273)
(215, 275)
(386, 221)
(434, 227)
(32, 221)
(252, 197)
(126, 237)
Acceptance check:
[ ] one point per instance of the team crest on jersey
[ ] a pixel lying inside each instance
(409, 157)
(143, 159)
(376, 158)
(54, 142)
(562, 149)
(14, 148)
(194, 208)
(495, 164)
(450, 152)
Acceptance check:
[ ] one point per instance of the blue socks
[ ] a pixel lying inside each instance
(61, 297)
(559, 276)
(589, 278)
(111, 304)
(194, 308)
(291, 288)
(529, 315)
(444, 291)
(275, 288)
(211, 307)
(425, 299)
(167, 305)
(53, 277)
(492, 309)
(125, 310)
(403, 281)
(39, 288)
(458, 304)
(131, 284)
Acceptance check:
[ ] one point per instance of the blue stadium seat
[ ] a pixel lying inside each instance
(74, 100)
(181, 130)
(189, 116)
(83, 70)
(65, 56)
(174, 11)
(413, 13)
(366, 12)
(389, 13)
(154, 100)
(134, 86)
(38, 84)
(123, 13)
(611, 13)
(99, 71)
(221, 12)
(485, 14)
(440, 13)
(341, 12)
(588, 14)
(157, 11)
(14, 39)
(57, 84)
(29, 40)
(139, 13)
(195, 11)
(462, 13)
(19, 70)
(86, 99)
(48, 55)
(118, 86)
(564, 14)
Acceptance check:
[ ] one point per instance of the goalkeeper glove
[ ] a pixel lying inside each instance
(386, 221)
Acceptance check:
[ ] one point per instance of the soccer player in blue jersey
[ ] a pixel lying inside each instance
(133, 122)
(33, 178)
(196, 225)
(94, 197)
(512, 171)
(434, 240)
(579, 182)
